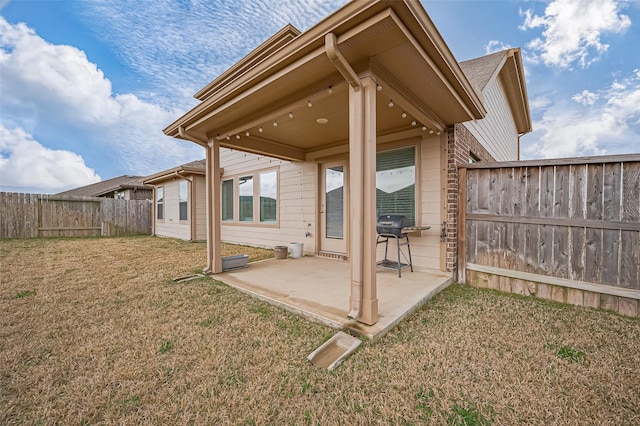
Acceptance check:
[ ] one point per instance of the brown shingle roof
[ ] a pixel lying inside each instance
(109, 185)
(197, 167)
(480, 70)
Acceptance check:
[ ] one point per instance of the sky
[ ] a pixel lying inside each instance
(86, 86)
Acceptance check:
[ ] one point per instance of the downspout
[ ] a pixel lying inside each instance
(347, 72)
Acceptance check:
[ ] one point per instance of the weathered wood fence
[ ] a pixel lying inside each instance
(34, 216)
(566, 230)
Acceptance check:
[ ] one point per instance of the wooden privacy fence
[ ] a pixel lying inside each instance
(566, 230)
(33, 216)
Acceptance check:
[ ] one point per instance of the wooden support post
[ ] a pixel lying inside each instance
(462, 224)
(214, 244)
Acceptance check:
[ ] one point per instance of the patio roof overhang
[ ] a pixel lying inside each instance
(393, 42)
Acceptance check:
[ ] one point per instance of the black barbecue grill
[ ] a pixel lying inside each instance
(391, 226)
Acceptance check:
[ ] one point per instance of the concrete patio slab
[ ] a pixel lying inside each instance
(318, 289)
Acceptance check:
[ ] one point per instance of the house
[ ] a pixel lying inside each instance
(312, 135)
(123, 187)
(179, 201)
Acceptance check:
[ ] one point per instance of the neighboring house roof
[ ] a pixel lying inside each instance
(107, 186)
(197, 167)
(508, 65)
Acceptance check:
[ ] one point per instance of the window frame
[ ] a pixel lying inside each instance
(160, 203)
(415, 145)
(181, 201)
(256, 202)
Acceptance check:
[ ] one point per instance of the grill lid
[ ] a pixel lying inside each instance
(391, 224)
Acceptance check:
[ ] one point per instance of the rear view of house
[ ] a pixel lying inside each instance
(313, 135)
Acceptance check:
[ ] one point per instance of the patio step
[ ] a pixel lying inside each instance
(331, 255)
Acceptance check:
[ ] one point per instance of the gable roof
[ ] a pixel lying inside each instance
(197, 167)
(106, 186)
(506, 65)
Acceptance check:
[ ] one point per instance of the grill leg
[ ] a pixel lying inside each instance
(399, 258)
(409, 250)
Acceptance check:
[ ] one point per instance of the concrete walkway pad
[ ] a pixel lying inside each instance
(318, 289)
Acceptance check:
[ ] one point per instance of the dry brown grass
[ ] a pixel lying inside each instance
(95, 331)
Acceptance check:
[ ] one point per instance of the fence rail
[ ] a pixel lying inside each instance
(37, 216)
(565, 230)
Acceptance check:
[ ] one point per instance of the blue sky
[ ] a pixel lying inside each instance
(87, 86)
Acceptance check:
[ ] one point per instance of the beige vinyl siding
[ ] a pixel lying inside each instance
(200, 206)
(171, 225)
(296, 202)
(497, 131)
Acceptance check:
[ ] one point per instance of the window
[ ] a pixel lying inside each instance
(396, 183)
(160, 202)
(473, 158)
(183, 199)
(227, 200)
(245, 192)
(119, 195)
(268, 196)
(255, 197)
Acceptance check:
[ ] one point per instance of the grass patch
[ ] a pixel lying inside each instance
(166, 347)
(568, 353)
(466, 414)
(25, 293)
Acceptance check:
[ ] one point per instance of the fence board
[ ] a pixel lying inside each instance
(631, 192)
(594, 191)
(533, 192)
(578, 249)
(577, 194)
(562, 195)
(547, 176)
(630, 260)
(611, 192)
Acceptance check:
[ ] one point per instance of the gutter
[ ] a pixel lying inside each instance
(347, 72)
(184, 135)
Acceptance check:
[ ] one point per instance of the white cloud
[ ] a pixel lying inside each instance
(27, 166)
(496, 46)
(585, 97)
(573, 29)
(57, 94)
(607, 122)
(178, 47)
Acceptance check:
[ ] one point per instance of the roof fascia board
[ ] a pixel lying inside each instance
(252, 89)
(513, 75)
(474, 113)
(267, 48)
(431, 31)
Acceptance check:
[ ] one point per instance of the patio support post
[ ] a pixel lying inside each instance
(214, 245)
(362, 217)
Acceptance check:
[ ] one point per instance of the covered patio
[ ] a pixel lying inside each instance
(317, 289)
(372, 73)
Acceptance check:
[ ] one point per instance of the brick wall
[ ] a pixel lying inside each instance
(461, 144)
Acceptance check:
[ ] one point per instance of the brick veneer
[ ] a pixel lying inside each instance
(460, 145)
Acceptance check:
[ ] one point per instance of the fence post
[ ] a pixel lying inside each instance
(462, 224)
